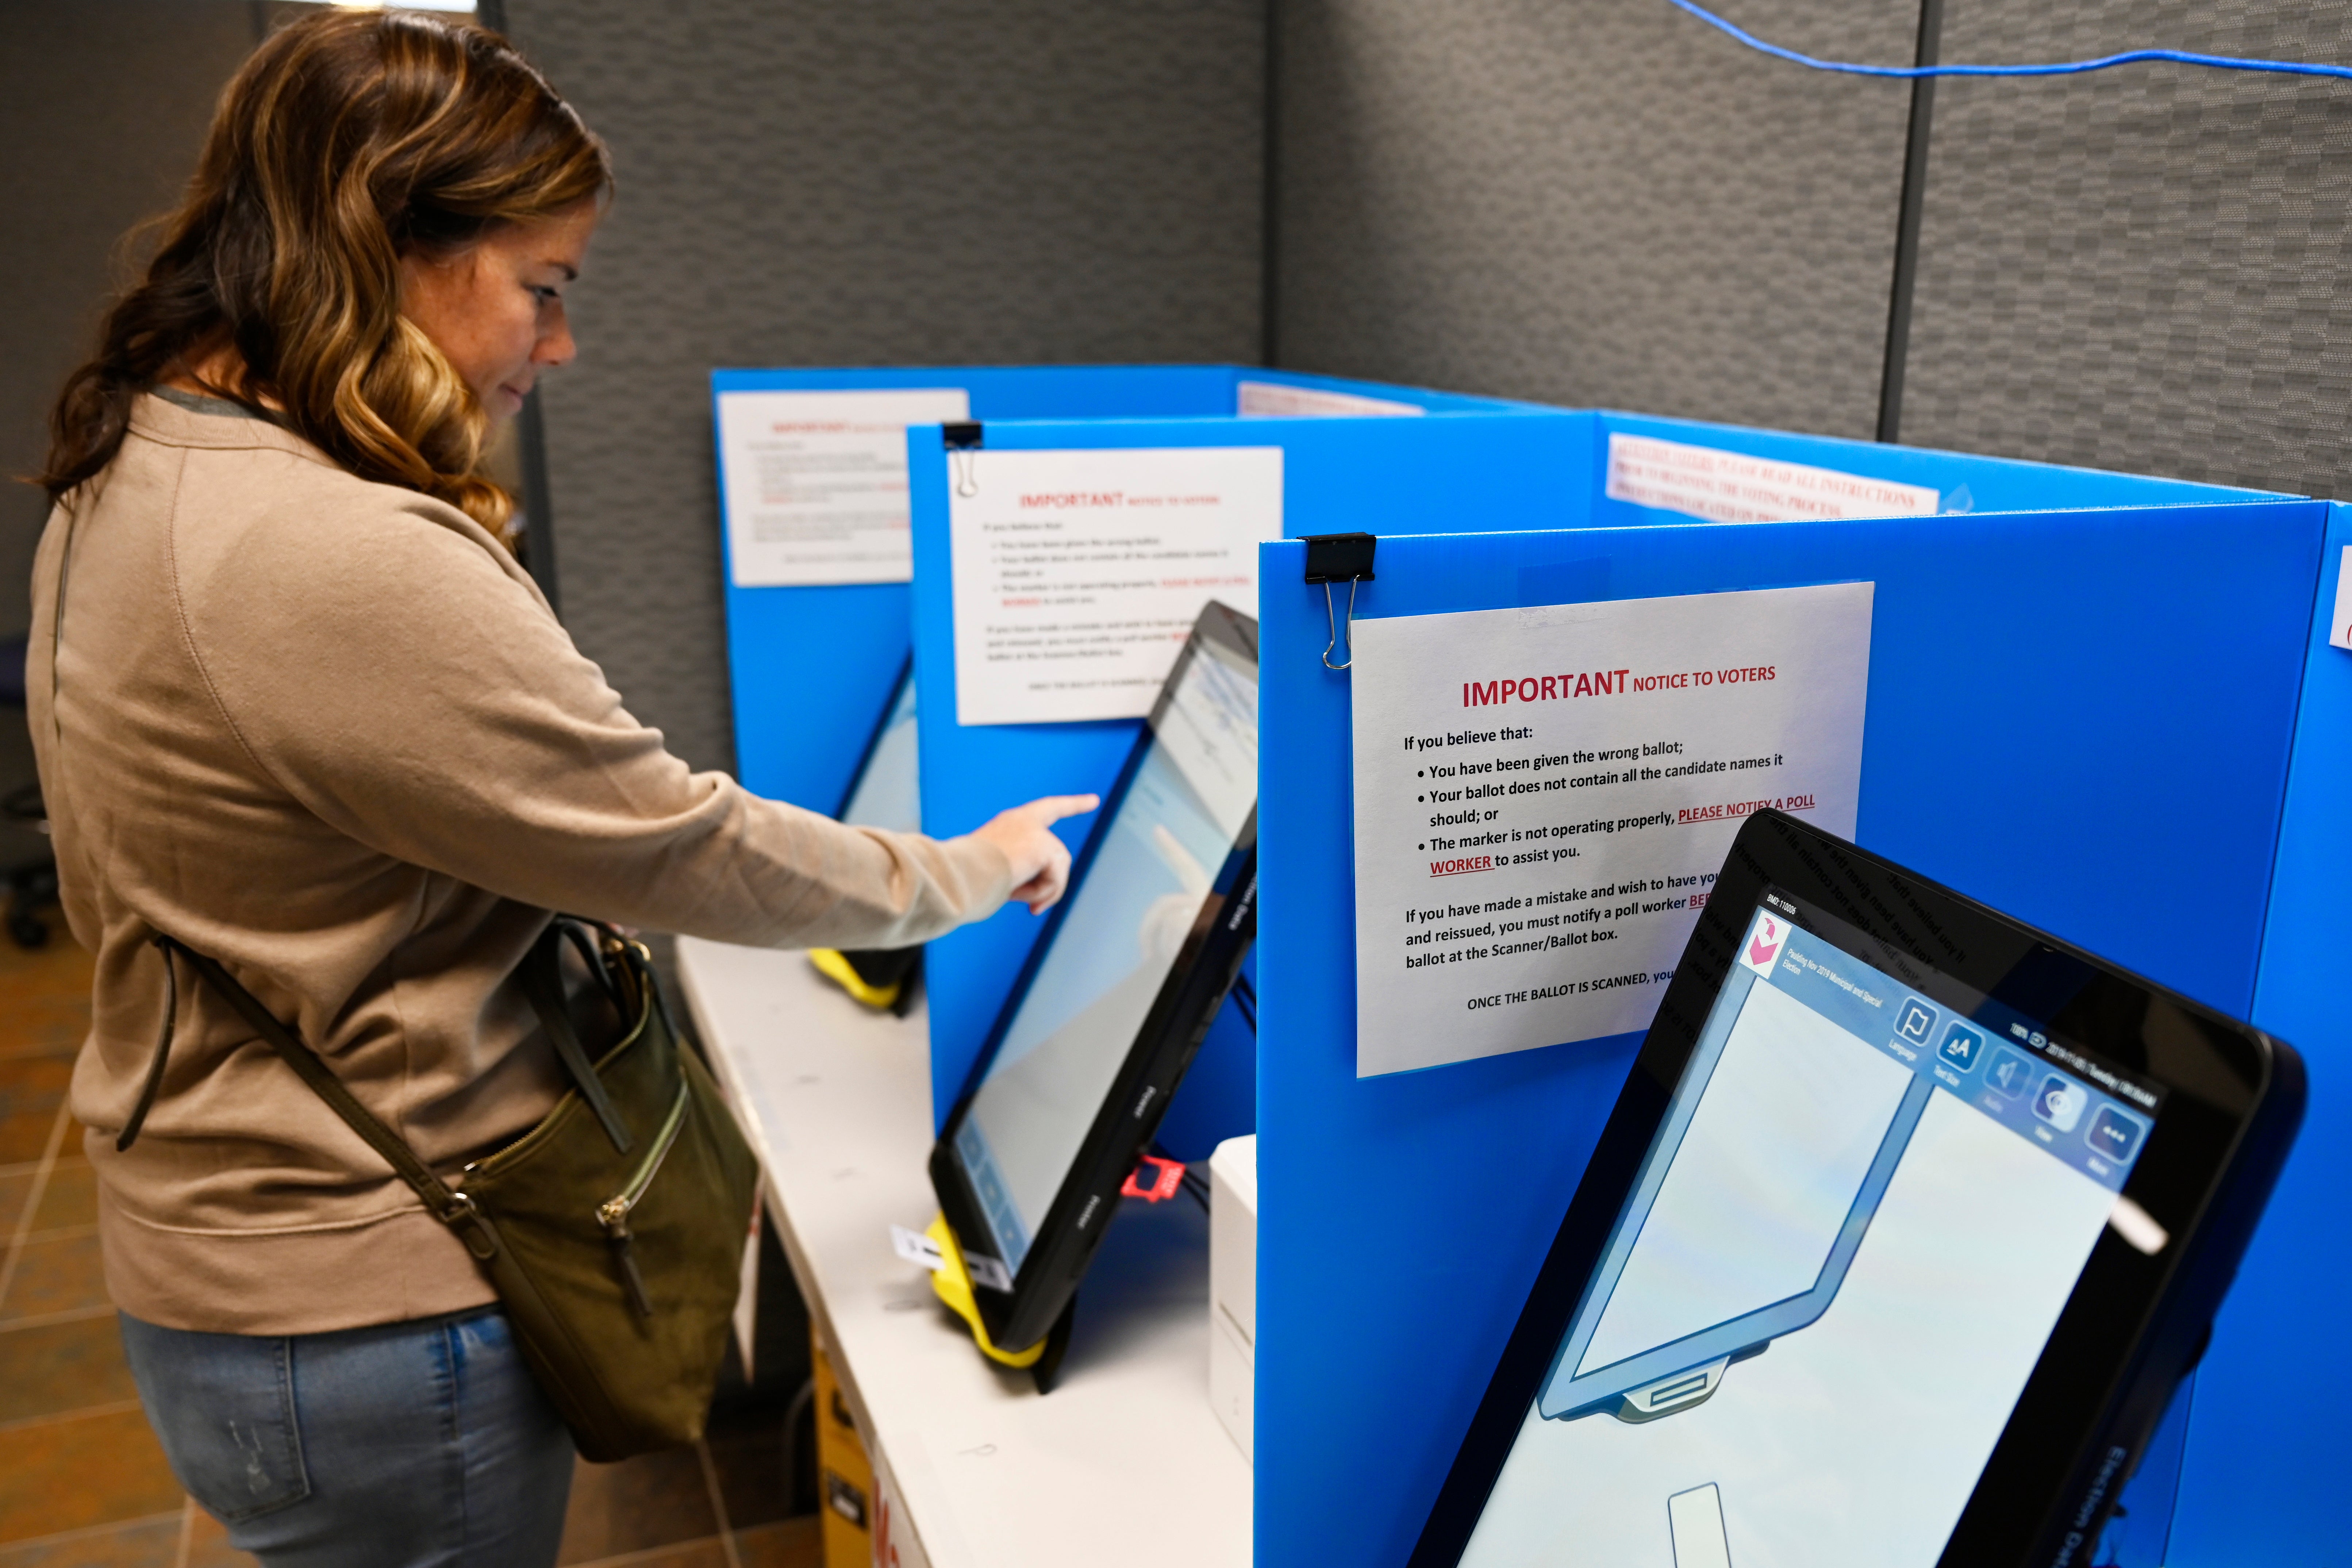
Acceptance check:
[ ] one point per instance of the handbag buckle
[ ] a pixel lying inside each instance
(465, 1216)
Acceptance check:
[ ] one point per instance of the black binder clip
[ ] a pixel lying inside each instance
(1339, 558)
(961, 438)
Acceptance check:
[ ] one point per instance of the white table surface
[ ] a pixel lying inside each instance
(1125, 1462)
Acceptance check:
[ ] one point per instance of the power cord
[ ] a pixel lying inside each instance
(2062, 68)
(1245, 996)
(1195, 1183)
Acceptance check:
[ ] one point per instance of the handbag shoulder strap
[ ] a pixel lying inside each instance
(542, 982)
(447, 1206)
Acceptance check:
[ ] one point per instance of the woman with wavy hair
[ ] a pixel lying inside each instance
(298, 706)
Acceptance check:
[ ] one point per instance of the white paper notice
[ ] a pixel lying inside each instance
(1730, 487)
(817, 482)
(1079, 574)
(2340, 634)
(1543, 797)
(1273, 400)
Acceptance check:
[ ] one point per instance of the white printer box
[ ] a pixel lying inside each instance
(1233, 1287)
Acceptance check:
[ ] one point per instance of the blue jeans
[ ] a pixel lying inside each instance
(417, 1444)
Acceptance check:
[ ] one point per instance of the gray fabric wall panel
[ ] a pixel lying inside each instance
(1592, 202)
(103, 106)
(2140, 269)
(803, 185)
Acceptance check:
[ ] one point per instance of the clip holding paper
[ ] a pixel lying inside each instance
(1339, 558)
(962, 439)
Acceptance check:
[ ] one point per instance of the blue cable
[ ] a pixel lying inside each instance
(2063, 68)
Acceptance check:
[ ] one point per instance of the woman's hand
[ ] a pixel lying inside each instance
(1041, 862)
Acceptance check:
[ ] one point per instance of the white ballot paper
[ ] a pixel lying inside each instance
(1079, 574)
(2340, 634)
(1732, 486)
(1278, 400)
(1543, 797)
(817, 482)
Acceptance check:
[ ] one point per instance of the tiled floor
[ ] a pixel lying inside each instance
(82, 1483)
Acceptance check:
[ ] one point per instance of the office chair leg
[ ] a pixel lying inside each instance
(30, 888)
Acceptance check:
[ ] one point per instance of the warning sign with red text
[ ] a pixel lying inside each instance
(1078, 574)
(1733, 486)
(1543, 797)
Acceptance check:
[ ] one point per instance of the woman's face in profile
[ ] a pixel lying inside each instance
(496, 309)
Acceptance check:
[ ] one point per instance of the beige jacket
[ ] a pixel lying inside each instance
(329, 732)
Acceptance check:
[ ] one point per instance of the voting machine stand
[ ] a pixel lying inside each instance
(952, 1283)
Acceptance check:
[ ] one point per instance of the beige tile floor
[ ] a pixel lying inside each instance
(82, 1482)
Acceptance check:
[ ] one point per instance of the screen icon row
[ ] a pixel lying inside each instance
(2059, 1101)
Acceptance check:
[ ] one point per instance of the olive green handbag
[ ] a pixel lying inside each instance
(613, 1231)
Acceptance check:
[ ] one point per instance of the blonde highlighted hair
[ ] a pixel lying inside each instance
(350, 140)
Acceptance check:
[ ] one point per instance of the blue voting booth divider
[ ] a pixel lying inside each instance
(799, 738)
(2026, 740)
(2150, 654)
(2263, 1475)
(1541, 469)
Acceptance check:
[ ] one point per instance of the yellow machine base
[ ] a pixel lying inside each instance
(952, 1285)
(836, 968)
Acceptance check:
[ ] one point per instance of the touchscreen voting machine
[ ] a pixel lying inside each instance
(883, 792)
(1116, 996)
(1905, 1227)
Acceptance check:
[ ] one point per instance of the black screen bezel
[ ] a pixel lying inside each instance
(2115, 1353)
(1164, 1044)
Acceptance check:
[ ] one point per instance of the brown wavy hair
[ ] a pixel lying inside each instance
(349, 139)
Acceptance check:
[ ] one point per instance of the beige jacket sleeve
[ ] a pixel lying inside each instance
(412, 690)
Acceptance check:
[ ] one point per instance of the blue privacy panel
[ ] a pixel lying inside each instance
(2265, 1456)
(2137, 799)
(1522, 470)
(811, 668)
(1965, 483)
